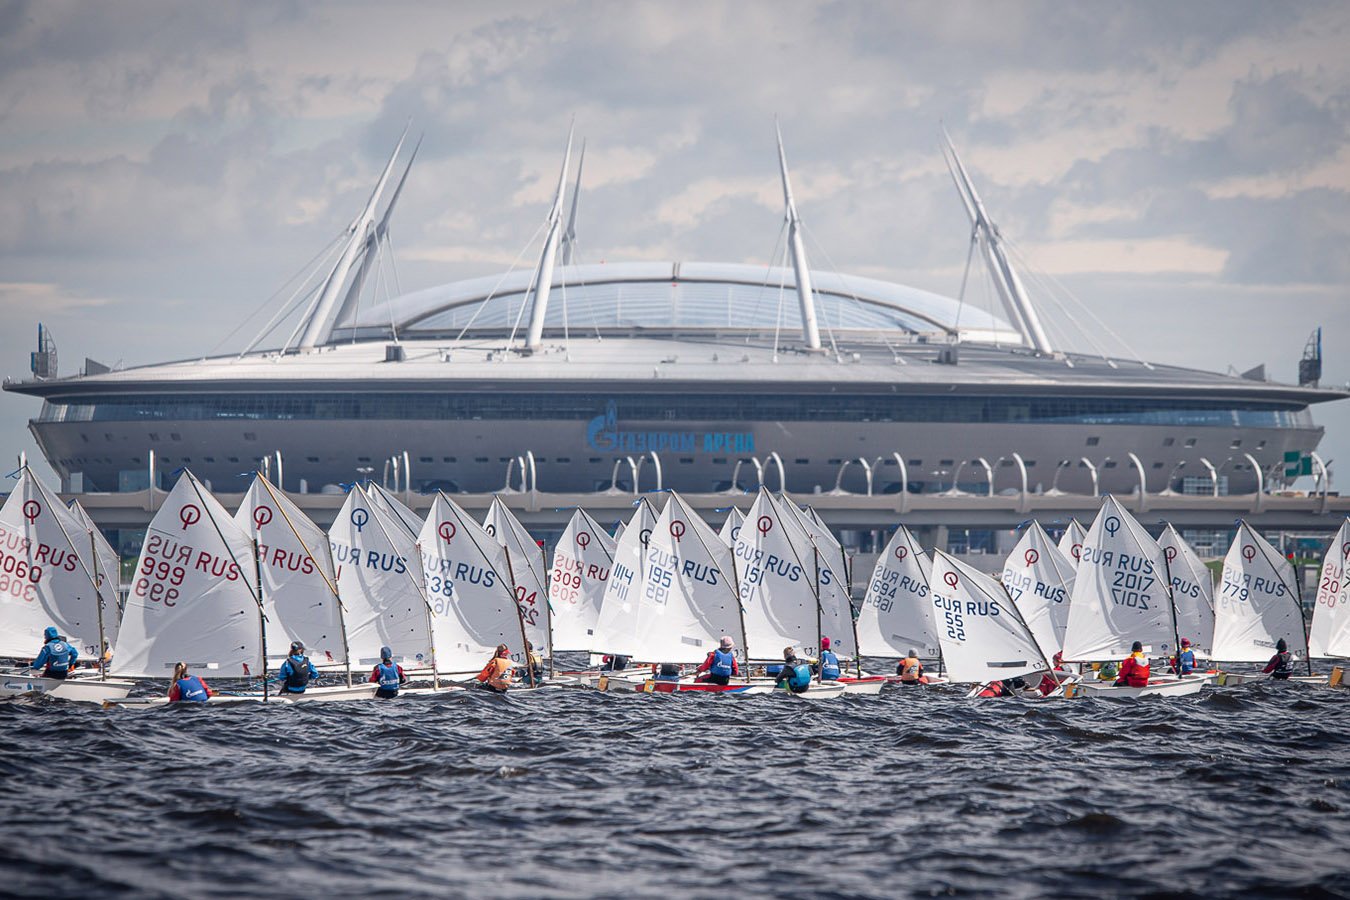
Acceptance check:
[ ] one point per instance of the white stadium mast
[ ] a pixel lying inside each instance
(544, 281)
(363, 236)
(569, 237)
(985, 233)
(810, 330)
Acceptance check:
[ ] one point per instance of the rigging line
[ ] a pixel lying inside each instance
(300, 322)
(307, 270)
(532, 289)
(482, 304)
(848, 286)
(965, 278)
(388, 255)
(567, 345)
(768, 270)
(382, 281)
(1048, 293)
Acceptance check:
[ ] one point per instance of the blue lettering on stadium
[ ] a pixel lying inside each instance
(603, 434)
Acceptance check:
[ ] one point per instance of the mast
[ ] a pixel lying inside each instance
(262, 616)
(1006, 280)
(98, 598)
(805, 295)
(319, 324)
(544, 283)
(569, 237)
(1172, 605)
(524, 641)
(820, 630)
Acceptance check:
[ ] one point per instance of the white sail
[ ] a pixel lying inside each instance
(47, 576)
(470, 588)
(299, 584)
(689, 600)
(897, 611)
(1331, 613)
(1120, 594)
(193, 596)
(983, 638)
(1257, 603)
(777, 586)
(731, 528)
(576, 585)
(616, 626)
(526, 560)
(1192, 591)
(107, 566)
(824, 556)
(618, 531)
(382, 585)
(384, 500)
(1071, 541)
(1039, 578)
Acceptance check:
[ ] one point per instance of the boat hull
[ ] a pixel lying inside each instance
(1233, 679)
(1177, 687)
(88, 690)
(866, 685)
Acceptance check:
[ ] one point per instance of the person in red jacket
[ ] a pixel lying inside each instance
(1134, 670)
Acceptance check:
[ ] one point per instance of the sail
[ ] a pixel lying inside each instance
(107, 568)
(777, 587)
(470, 589)
(47, 576)
(983, 638)
(1120, 594)
(382, 585)
(193, 596)
(1039, 578)
(1192, 591)
(690, 597)
(618, 531)
(731, 528)
(616, 626)
(576, 584)
(526, 560)
(1331, 614)
(1257, 603)
(1071, 541)
(299, 584)
(897, 611)
(384, 500)
(824, 556)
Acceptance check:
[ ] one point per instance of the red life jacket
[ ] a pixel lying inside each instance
(1134, 671)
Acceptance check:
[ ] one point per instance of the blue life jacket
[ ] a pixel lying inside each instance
(297, 674)
(773, 671)
(723, 663)
(829, 666)
(60, 655)
(799, 677)
(1186, 661)
(389, 680)
(192, 690)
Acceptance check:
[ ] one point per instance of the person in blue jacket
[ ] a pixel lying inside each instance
(1184, 662)
(828, 666)
(187, 688)
(795, 675)
(388, 675)
(720, 666)
(56, 658)
(297, 671)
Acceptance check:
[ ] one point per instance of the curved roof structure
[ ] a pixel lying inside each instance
(662, 298)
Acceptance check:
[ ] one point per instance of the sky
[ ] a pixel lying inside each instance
(1180, 170)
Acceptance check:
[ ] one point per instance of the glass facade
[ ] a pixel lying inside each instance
(744, 408)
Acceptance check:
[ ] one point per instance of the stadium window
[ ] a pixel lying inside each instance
(1109, 464)
(834, 462)
(233, 459)
(154, 436)
(719, 461)
(425, 459)
(363, 459)
(801, 462)
(563, 460)
(1157, 465)
(250, 436)
(480, 459)
(1260, 445)
(686, 460)
(1237, 442)
(175, 436)
(1190, 442)
(449, 459)
(1168, 442)
(1093, 441)
(1029, 463)
(594, 459)
(916, 463)
(209, 459)
(311, 459)
(946, 462)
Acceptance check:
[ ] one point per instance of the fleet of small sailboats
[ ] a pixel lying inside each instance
(229, 594)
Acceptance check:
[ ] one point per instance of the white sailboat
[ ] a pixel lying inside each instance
(107, 569)
(731, 527)
(582, 561)
(1071, 541)
(897, 612)
(525, 559)
(617, 622)
(299, 583)
(1258, 604)
(49, 577)
(384, 500)
(1121, 594)
(1331, 617)
(1192, 592)
(1039, 578)
(983, 638)
(469, 584)
(382, 585)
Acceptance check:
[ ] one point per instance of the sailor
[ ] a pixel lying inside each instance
(496, 675)
(388, 675)
(1107, 672)
(615, 663)
(56, 658)
(910, 669)
(534, 674)
(668, 672)
(1280, 667)
(187, 688)
(996, 689)
(720, 666)
(296, 671)
(1134, 670)
(829, 662)
(795, 675)
(1184, 662)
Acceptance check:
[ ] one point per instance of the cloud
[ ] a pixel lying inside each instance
(42, 299)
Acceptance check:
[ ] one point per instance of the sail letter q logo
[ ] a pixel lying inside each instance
(1112, 525)
(1031, 556)
(31, 510)
(952, 579)
(261, 516)
(446, 530)
(359, 518)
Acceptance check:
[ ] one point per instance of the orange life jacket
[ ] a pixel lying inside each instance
(497, 673)
(910, 669)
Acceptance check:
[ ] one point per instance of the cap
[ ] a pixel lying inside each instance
(914, 653)
(51, 633)
(824, 643)
(1185, 642)
(297, 647)
(386, 653)
(726, 643)
(1137, 647)
(1281, 645)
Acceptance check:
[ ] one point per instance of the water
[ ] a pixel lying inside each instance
(572, 793)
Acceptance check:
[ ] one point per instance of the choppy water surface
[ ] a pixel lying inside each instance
(566, 792)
